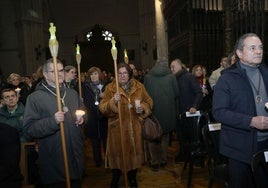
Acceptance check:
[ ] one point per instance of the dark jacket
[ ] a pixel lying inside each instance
(97, 124)
(161, 85)
(39, 123)
(234, 107)
(14, 119)
(190, 92)
(10, 175)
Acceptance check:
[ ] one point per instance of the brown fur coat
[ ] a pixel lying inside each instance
(130, 125)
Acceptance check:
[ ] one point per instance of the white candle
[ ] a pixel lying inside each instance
(79, 114)
(18, 90)
(266, 105)
(137, 103)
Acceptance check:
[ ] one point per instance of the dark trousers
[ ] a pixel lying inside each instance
(263, 178)
(116, 177)
(97, 144)
(240, 174)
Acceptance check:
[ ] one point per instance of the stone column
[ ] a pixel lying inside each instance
(161, 34)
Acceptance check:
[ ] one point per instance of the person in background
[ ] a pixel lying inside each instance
(14, 81)
(190, 97)
(131, 119)
(104, 75)
(26, 89)
(12, 111)
(42, 121)
(70, 77)
(165, 108)
(239, 105)
(10, 175)
(136, 74)
(217, 73)
(37, 77)
(231, 58)
(96, 127)
(206, 103)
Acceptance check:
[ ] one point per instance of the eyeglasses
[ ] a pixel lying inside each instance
(123, 73)
(59, 71)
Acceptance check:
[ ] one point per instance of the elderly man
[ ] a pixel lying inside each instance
(41, 121)
(239, 104)
(190, 97)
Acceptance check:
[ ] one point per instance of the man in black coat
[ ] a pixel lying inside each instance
(190, 97)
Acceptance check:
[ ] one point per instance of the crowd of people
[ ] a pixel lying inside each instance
(234, 95)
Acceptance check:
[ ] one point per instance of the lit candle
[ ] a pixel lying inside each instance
(266, 105)
(18, 90)
(78, 55)
(79, 114)
(125, 56)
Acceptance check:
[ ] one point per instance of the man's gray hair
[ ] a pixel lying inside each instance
(240, 42)
(47, 63)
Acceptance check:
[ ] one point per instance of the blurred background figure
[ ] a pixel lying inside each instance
(14, 80)
(96, 127)
(26, 89)
(199, 72)
(231, 58)
(190, 97)
(70, 77)
(217, 73)
(162, 87)
(136, 74)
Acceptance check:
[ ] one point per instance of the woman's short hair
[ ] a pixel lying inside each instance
(95, 69)
(128, 68)
(68, 68)
(12, 76)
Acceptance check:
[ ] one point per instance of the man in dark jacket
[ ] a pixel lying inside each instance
(41, 121)
(162, 87)
(239, 104)
(190, 97)
(12, 111)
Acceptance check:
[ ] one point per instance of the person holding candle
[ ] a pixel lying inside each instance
(41, 121)
(206, 103)
(131, 119)
(96, 127)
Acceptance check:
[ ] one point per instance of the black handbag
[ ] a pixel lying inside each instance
(151, 129)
